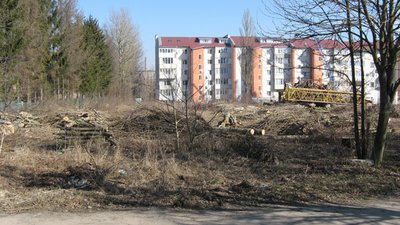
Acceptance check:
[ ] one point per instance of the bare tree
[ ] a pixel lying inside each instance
(127, 52)
(71, 26)
(373, 25)
(31, 68)
(248, 33)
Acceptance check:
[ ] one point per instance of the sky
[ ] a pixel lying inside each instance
(200, 18)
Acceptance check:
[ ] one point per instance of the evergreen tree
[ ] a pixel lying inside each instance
(56, 59)
(11, 42)
(96, 75)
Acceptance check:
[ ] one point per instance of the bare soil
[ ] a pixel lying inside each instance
(306, 157)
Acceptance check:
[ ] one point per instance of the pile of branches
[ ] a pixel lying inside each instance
(160, 121)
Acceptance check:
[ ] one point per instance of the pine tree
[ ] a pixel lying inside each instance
(96, 75)
(11, 42)
(56, 59)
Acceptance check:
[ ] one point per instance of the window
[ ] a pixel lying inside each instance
(223, 60)
(210, 82)
(185, 82)
(184, 62)
(167, 71)
(210, 51)
(168, 60)
(185, 72)
(279, 59)
(199, 56)
(210, 72)
(186, 51)
(199, 77)
(200, 67)
(217, 91)
(210, 61)
(217, 81)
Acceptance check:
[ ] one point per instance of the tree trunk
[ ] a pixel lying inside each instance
(353, 79)
(381, 131)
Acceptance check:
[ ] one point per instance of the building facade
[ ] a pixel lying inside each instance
(229, 68)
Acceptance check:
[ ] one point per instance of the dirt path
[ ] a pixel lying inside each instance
(384, 212)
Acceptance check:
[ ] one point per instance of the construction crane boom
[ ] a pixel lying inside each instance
(311, 95)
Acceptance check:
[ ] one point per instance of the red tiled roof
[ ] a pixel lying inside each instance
(193, 42)
(252, 41)
(312, 43)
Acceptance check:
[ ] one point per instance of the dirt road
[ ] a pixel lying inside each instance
(384, 212)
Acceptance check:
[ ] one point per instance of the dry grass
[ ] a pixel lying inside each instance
(221, 170)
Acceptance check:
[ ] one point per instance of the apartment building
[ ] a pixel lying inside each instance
(226, 68)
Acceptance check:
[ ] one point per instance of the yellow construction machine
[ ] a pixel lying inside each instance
(312, 93)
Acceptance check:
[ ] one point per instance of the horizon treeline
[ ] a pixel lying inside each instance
(49, 49)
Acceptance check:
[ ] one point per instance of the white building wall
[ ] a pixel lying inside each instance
(267, 65)
(238, 69)
(301, 64)
(208, 74)
(171, 69)
(278, 74)
(223, 70)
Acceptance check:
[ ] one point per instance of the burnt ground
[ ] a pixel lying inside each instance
(305, 157)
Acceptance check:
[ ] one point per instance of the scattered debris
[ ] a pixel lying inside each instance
(78, 182)
(122, 172)
(264, 186)
(242, 186)
(363, 162)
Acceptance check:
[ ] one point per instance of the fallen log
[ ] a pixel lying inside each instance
(235, 130)
(259, 132)
(248, 131)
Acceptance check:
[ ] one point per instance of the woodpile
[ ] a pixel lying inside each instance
(6, 128)
(21, 120)
(83, 127)
(9, 122)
